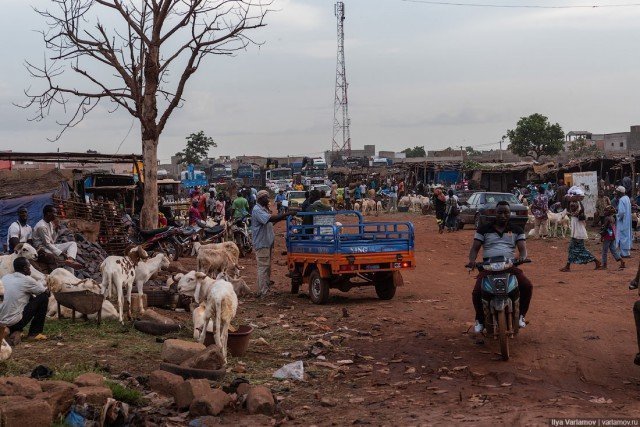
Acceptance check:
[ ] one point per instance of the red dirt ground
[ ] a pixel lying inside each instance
(414, 362)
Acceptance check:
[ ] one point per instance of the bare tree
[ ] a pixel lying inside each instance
(127, 62)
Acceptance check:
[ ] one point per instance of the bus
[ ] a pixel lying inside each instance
(278, 178)
(218, 172)
(250, 175)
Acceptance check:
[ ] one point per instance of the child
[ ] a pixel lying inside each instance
(608, 237)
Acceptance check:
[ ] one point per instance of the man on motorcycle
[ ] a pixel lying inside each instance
(500, 238)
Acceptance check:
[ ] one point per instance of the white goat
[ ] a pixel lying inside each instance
(230, 247)
(558, 219)
(222, 302)
(119, 272)
(378, 207)
(357, 207)
(61, 280)
(215, 261)
(21, 250)
(143, 272)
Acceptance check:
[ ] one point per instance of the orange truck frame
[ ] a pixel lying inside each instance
(328, 254)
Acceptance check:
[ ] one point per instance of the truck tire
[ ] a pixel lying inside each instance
(385, 284)
(318, 288)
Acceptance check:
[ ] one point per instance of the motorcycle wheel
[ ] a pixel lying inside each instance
(171, 250)
(503, 339)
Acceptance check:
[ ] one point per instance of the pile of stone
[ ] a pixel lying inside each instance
(90, 255)
(42, 402)
(197, 395)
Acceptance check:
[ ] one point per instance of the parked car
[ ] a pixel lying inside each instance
(324, 189)
(480, 209)
(295, 198)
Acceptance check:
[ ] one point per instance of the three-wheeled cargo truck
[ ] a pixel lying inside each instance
(340, 250)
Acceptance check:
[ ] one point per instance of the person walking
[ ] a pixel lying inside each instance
(539, 209)
(623, 223)
(578, 253)
(608, 237)
(440, 203)
(452, 211)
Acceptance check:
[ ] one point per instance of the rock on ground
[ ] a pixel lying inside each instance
(210, 403)
(95, 395)
(260, 400)
(177, 351)
(90, 379)
(189, 390)
(164, 382)
(211, 358)
(20, 411)
(19, 386)
(59, 395)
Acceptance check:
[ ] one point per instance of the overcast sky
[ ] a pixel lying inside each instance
(418, 74)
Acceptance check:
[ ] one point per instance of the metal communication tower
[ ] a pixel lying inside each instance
(341, 145)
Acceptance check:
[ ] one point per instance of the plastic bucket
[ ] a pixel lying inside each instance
(237, 343)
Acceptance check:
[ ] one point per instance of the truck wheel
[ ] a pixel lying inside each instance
(386, 284)
(318, 288)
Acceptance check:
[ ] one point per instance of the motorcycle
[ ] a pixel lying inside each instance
(501, 300)
(160, 239)
(242, 235)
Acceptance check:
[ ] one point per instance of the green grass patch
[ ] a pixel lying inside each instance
(125, 394)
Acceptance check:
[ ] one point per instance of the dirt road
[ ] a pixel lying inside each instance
(411, 360)
(421, 365)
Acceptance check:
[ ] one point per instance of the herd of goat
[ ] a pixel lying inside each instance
(215, 285)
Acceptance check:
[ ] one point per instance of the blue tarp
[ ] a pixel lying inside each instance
(9, 211)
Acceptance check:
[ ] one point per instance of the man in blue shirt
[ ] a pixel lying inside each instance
(263, 237)
(280, 197)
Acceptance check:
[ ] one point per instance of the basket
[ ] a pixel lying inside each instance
(85, 302)
(159, 298)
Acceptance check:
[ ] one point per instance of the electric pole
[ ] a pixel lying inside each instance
(341, 143)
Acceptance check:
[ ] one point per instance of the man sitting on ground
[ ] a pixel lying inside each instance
(25, 300)
(19, 231)
(45, 235)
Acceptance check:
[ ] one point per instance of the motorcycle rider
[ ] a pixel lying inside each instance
(500, 238)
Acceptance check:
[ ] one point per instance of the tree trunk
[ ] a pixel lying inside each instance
(149, 213)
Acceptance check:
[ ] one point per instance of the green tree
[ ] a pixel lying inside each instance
(415, 152)
(580, 148)
(471, 151)
(197, 149)
(535, 136)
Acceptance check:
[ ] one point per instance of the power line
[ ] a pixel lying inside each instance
(126, 136)
(521, 6)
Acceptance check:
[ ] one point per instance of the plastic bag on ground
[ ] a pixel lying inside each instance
(294, 370)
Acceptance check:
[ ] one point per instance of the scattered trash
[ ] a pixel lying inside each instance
(294, 370)
(41, 372)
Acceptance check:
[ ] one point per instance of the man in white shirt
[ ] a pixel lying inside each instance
(19, 231)
(25, 301)
(45, 234)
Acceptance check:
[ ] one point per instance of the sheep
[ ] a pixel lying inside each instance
(378, 207)
(143, 272)
(405, 201)
(214, 261)
(21, 250)
(61, 280)
(5, 350)
(368, 205)
(356, 207)
(119, 272)
(230, 247)
(561, 218)
(221, 302)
